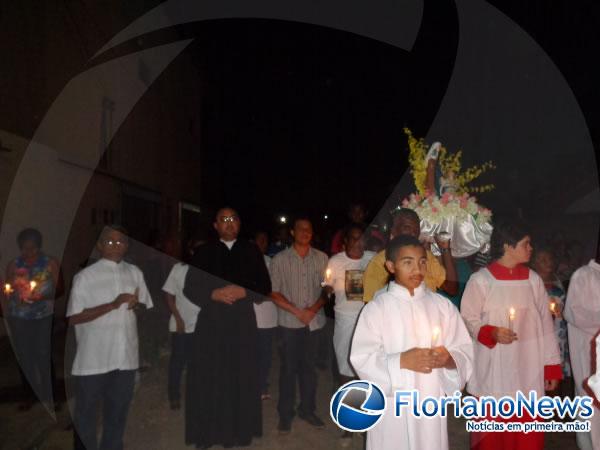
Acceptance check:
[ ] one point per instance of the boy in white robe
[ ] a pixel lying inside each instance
(392, 347)
(582, 313)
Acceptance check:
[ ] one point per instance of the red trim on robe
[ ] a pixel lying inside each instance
(487, 440)
(485, 336)
(553, 372)
(500, 272)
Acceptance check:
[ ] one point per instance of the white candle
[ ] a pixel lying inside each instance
(435, 335)
(511, 319)
(327, 280)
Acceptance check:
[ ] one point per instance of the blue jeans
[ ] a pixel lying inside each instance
(115, 391)
(299, 348)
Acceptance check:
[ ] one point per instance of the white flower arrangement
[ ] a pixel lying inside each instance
(435, 209)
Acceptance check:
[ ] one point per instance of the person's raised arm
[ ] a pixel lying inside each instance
(450, 284)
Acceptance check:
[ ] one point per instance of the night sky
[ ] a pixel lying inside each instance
(301, 118)
(305, 119)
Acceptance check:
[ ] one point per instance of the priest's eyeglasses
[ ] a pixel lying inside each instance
(225, 219)
(111, 243)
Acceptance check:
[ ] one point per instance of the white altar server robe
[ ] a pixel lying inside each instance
(582, 313)
(392, 323)
(506, 369)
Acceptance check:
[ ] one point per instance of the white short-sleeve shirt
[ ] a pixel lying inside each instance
(347, 276)
(266, 312)
(109, 342)
(187, 310)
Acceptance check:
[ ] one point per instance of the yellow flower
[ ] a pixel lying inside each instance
(448, 162)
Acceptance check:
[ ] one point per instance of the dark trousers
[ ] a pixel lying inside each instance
(180, 355)
(115, 391)
(32, 342)
(298, 354)
(265, 343)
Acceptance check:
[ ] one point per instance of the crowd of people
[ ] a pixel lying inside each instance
(372, 300)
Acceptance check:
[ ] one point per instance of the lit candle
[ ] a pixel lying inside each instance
(553, 307)
(7, 289)
(327, 278)
(32, 285)
(435, 334)
(511, 319)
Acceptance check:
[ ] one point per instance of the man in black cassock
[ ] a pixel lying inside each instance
(223, 404)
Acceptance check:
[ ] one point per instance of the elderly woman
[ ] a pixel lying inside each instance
(33, 282)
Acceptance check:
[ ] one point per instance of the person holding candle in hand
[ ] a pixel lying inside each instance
(33, 282)
(409, 337)
(101, 307)
(544, 263)
(344, 275)
(525, 358)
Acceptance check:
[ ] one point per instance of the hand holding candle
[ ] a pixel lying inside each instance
(554, 308)
(32, 286)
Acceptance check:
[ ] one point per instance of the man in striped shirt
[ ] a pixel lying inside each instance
(296, 276)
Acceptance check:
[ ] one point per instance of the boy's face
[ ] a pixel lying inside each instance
(410, 267)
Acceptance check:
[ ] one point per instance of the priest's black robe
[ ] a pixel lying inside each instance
(223, 404)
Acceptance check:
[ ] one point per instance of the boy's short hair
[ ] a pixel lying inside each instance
(403, 240)
(509, 232)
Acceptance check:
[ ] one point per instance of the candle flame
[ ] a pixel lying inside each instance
(511, 313)
(328, 274)
(7, 288)
(32, 285)
(552, 306)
